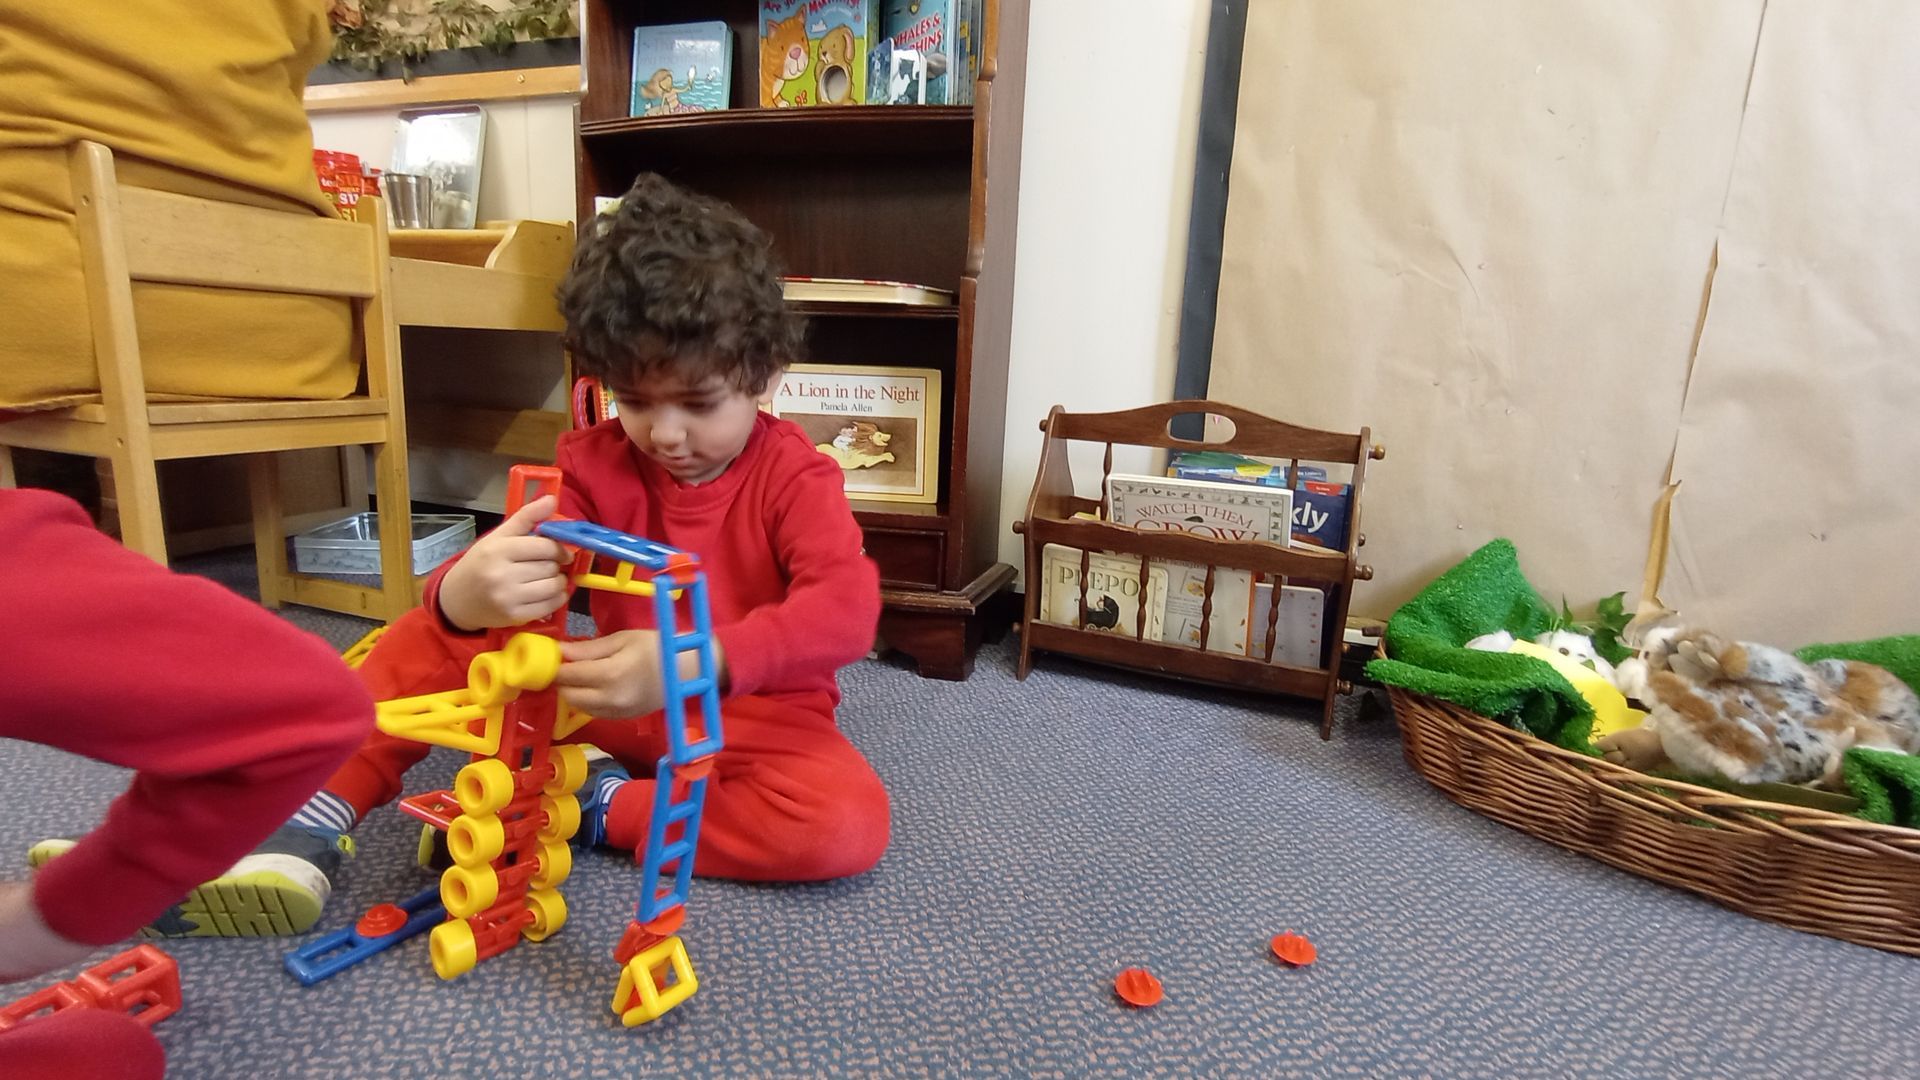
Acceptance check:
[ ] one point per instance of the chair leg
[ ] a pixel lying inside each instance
(136, 492)
(390, 486)
(7, 477)
(269, 531)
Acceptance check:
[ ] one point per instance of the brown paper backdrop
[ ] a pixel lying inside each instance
(1799, 511)
(1488, 231)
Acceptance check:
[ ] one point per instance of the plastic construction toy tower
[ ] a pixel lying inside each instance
(512, 809)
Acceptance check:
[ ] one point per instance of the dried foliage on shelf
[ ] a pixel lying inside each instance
(371, 33)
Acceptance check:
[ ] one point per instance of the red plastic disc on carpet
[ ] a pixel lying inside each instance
(1294, 949)
(1136, 986)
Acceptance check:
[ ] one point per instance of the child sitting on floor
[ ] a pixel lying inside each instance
(674, 303)
(106, 654)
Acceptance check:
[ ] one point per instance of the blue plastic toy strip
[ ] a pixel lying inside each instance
(612, 543)
(701, 687)
(659, 853)
(328, 956)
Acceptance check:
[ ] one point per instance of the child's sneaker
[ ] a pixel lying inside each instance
(604, 778)
(280, 888)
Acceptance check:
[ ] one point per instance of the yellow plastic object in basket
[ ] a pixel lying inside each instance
(1611, 712)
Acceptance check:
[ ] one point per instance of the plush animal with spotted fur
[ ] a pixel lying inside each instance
(1756, 714)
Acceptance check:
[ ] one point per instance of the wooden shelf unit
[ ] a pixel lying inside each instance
(1051, 519)
(898, 193)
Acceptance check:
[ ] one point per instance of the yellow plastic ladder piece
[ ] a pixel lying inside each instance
(442, 719)
(638, 998)
(357, 652)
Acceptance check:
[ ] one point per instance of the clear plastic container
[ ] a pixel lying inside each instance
(352, 544)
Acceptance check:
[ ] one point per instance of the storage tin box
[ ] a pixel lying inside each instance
(352, 545)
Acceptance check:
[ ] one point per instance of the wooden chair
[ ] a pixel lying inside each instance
(130, 234)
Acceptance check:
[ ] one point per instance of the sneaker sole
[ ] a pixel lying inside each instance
(262, 896)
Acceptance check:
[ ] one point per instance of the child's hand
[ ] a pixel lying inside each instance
(613, 677)
(28, 946)
(509, 576)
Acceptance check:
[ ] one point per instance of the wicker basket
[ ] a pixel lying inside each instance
(1816, 871)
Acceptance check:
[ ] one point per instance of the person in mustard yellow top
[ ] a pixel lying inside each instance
(202, 98)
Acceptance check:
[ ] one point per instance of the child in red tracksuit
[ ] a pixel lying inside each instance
(105, 654)
(674, 303)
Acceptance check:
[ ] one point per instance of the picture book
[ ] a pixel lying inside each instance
(1320, 506)
(1113, 592)
(1186, 597)
(1320, 511)
(1206, 508)
(881, 425)
(921, 55)
(1298, 630)
(683, 68)
(816, 52)
(856, 291)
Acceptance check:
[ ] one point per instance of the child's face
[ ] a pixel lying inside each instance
(693, 431)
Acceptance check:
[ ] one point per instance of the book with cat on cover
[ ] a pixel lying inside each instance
(683, 68)
(1113, 592)
(861, 291)
(815, 52)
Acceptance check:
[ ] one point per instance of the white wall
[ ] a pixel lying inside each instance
(1106, 184)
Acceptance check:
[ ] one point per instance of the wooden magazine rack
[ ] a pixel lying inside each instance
(1050, 520)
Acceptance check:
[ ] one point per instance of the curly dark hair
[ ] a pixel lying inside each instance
(674, 283)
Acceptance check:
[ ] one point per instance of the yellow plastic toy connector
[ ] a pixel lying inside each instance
(569, 721)
(453, 949)
(620, 581)
(640, 997)
(549, 914)
(443, 719)
(356, 653)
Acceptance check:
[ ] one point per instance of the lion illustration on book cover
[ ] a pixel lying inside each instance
(860, 444)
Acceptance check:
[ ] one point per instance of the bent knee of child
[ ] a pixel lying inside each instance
(843, 835)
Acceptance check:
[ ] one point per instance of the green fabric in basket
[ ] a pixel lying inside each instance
(1486, 592)
(1426, 650)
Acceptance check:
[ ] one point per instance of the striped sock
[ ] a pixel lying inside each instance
(604, 788)
(326, 811)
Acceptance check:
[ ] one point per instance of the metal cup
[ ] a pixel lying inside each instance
(409, 200)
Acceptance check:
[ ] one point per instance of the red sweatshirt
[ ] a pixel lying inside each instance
(793, 596)
(229, 715)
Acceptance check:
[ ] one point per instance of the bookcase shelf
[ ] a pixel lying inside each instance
(738, 133)
(896, 193)
(837, 309)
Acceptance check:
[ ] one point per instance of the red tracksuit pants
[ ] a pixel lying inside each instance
(790, 799)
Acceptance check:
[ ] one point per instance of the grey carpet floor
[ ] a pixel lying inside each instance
(1048, 834)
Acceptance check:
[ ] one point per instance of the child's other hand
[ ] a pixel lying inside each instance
(28, 946)
(613, 677)
(509, 576)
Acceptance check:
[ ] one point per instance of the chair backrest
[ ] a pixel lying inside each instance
(133, 234)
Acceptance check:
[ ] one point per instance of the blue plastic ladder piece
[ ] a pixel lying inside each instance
(612, 543)
(328, 956)
(680, 852)
(701, 687)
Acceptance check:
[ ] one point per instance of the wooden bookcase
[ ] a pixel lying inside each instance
(910, 193)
